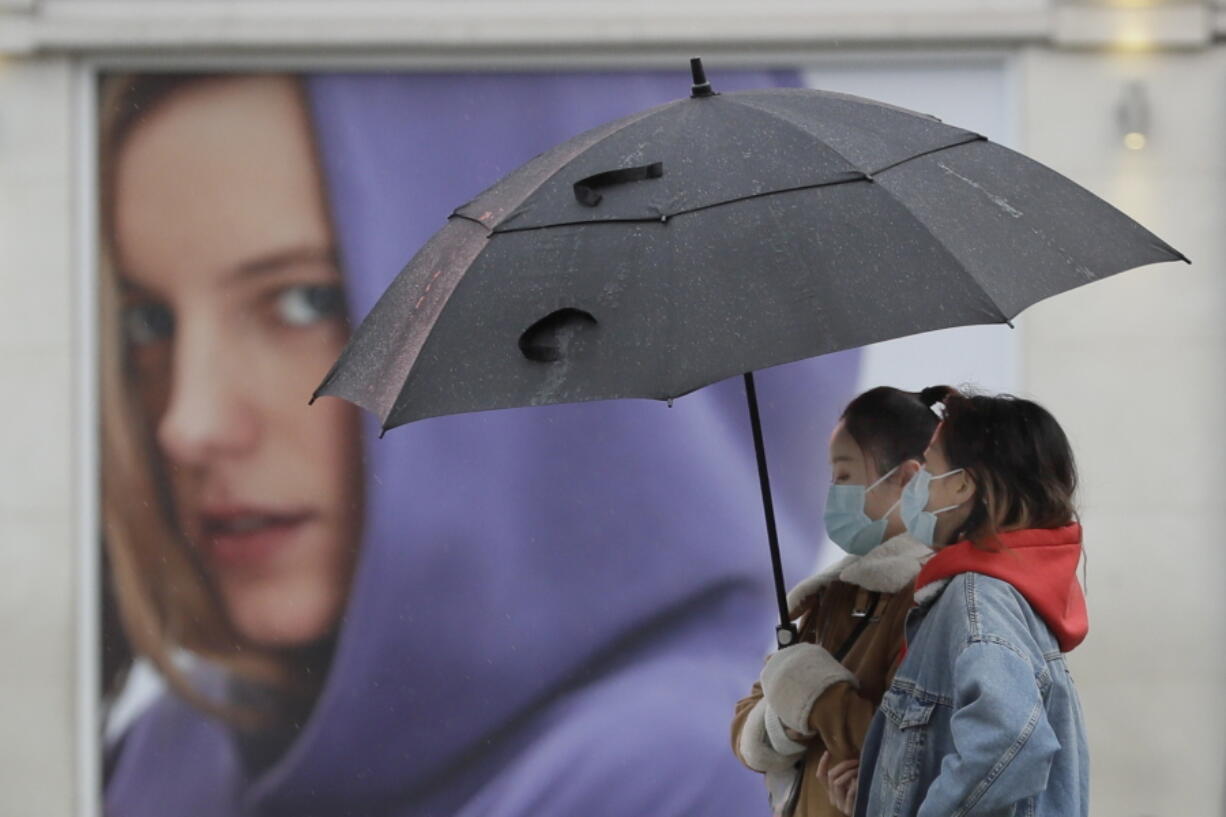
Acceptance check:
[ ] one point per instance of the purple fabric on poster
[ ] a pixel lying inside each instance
(555, 608)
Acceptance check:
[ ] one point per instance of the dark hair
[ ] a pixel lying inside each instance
(134, 97)
(890, 425)
(1018, 456)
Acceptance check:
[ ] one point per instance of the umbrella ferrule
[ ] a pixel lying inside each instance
(701, 86)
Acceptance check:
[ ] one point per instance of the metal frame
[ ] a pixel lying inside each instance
(438, 28)
(86, 442)
(90, 27)
(715, 57)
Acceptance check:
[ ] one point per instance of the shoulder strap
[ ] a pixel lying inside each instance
(873, 600)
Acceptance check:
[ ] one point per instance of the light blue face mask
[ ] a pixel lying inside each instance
(920, 523)
(847, 525)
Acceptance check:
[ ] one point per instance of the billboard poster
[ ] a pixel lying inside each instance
(544, 611)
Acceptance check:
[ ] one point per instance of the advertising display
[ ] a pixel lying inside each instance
(511, 612)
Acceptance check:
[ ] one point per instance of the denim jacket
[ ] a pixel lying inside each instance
(982, 717)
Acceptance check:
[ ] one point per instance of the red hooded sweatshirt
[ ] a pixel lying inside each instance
(1041, 564)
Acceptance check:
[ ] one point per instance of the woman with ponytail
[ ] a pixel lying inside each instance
(814, 701)
(982, 716)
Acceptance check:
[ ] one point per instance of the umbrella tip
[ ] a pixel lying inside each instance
(701, 87)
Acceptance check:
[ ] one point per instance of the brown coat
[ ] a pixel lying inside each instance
(809, 691)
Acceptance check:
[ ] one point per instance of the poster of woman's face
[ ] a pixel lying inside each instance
(504, 613)
(231, 307)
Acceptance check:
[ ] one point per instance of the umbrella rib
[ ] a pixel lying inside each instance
(839, 95)
(975, 137)
(775, 117)
(664, 217)
(860, 176)
(477, 221)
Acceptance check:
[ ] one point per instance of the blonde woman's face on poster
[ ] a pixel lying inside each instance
(233, 312)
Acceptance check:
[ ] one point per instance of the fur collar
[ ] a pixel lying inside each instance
(887, 568)
(929, 593)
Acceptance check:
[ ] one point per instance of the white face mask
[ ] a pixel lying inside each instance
(847, 525)
(922, 523)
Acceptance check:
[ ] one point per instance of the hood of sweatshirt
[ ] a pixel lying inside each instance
(1040, 563)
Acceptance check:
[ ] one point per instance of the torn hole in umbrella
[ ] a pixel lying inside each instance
(554, 336)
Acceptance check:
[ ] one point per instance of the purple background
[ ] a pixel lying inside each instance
(555, 608)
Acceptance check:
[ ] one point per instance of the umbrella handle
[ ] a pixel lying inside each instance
(785, 633)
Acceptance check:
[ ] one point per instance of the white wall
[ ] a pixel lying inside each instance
(39, 507)
(1133, 367)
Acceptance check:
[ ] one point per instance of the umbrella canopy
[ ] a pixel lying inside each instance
(717, 235)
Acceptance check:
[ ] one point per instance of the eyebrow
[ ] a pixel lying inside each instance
(264, 265)
(283, 259)
(129, 287)
(842, 458)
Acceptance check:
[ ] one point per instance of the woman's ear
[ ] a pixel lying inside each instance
(907, 471)
(964, 487)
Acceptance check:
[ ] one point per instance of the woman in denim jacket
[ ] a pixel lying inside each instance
(982, 717)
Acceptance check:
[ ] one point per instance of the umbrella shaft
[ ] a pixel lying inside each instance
(786, 631)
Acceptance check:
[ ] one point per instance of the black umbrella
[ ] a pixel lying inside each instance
(717, 235)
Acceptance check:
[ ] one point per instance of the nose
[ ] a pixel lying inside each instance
(209, 415)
